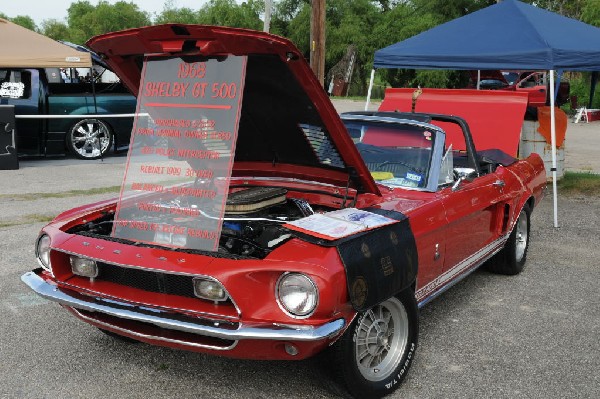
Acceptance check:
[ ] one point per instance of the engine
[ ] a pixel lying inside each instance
(253, 219)
(252, 223)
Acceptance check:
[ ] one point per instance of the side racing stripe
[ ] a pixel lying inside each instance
(458, 272)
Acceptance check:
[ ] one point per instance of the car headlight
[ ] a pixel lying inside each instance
(83, 267)
(206, 288)
(42, 252)
(297, 294)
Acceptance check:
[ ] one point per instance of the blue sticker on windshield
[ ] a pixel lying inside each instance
(414, 177)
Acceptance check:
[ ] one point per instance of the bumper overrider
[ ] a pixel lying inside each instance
(175, 322)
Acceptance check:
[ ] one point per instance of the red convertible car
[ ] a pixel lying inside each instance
(255, 222)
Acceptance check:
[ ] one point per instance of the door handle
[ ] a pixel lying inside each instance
(499, 183)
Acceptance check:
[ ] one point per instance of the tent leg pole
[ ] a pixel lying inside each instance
(370, 89)
(553, 143)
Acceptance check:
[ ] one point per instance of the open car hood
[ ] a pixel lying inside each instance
(283, 104)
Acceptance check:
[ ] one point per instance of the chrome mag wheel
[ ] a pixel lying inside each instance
(381, 339)
(374, 355)
(89, 139)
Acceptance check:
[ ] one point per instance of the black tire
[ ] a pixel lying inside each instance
(511, 259)
(387, 347)
(89, 139)
(118, 337)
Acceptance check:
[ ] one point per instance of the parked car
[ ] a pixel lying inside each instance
(331, 231)
(534, 83)
(45, 92)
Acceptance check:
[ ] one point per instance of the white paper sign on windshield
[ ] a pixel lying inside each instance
(181, 155)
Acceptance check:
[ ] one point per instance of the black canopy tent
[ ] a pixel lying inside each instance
(507, 35)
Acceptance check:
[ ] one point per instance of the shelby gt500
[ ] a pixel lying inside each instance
(255, 222)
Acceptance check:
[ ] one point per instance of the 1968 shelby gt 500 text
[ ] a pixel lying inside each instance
(255, 222)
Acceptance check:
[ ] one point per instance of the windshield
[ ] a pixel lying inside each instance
(397, 155)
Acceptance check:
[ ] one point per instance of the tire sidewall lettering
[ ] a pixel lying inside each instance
(395, 379)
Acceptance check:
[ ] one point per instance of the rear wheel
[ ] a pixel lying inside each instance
(373, 356)
(511, 259)
(89, 139)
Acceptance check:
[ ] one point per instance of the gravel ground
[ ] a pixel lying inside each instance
(529, 336)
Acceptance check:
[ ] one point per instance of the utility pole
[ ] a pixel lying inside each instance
(268, 6)
(317, 39)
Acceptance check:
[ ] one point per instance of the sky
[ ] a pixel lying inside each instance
(40, 10)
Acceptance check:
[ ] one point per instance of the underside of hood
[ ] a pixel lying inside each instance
(287, 127)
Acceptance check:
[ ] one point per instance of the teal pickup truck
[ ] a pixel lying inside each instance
(41, 95)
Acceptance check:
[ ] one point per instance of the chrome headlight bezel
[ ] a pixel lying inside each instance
(42, 251)
(307, 287)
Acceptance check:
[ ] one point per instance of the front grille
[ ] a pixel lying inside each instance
(153, 281)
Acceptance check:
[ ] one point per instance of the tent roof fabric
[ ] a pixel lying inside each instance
(23, 48)
(507, 35)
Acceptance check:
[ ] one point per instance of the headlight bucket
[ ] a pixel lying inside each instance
(42, 252)
(297, 295)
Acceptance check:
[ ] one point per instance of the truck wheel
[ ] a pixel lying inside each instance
(373, 356)
(511, 259)
(89, 139)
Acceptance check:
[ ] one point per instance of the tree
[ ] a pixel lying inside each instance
(25, 22)
(229, 13)
(56, 30)
(172, 14)
(568, 8)
(347, 22)
(298, 29)
(86, 20)
(590, 13)
(284, 12)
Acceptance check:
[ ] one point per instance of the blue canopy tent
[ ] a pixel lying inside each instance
(507, 35)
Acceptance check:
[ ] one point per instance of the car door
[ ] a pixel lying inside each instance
(24, 94)
(472, 211)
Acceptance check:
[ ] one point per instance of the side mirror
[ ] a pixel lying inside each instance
(461, 175)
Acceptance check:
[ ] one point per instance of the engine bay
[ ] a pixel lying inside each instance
(252, 224)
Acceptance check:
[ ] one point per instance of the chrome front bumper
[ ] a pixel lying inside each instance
(171, 321)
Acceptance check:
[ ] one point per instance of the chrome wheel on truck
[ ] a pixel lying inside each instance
(89, 139)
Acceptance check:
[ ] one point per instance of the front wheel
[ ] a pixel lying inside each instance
(89, 139)
(373, 356)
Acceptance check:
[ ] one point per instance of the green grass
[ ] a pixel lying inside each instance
(579, 183)
(61, 194)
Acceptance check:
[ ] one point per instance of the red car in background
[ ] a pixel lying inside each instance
(536, 84)
(323, 232)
